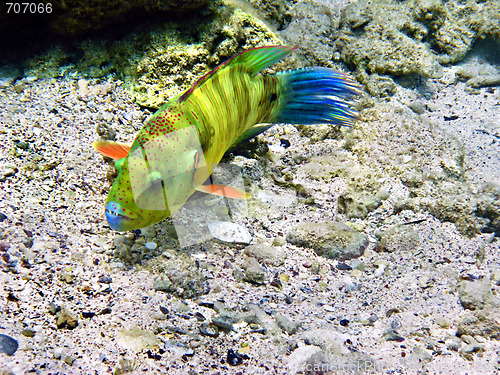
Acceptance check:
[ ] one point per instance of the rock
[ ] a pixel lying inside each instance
(301, 356)
(179, 276)
(253, 271)
(28, 332)
(397, 238)
(473, 295)
(137, 339)
(454, 343)
(69, 360)
(329, 239)
(8, 345)
(229, 232)
(178, 349)
(287, 325)
(484, 323)
(265, 254)
(234, 358)
(209, 330)
(357, 206)
(391, 334)
(330, 341)
(65, 320)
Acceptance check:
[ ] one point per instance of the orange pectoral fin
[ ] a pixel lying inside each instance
(224, 191)
(111, 149)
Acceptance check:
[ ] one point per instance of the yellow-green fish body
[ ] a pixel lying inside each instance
(176, 150)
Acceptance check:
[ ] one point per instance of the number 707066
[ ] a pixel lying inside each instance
(29, 8)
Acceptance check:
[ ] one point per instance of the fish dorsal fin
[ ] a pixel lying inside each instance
(255, 60)
(113, 150)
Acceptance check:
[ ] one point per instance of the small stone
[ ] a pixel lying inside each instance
(234, 358)
(223, 323)
(105, 280)
(8, 345)
(83, 87)
(209, 330)
(265, 254)
(19, 88)
(28, 332)
(67, 277)
(53, 308)
(392, 335)
(150, 245)
(484, 323)
(69, 360)
(397, 238)
(229, 232)
(442, 322)
(137, 339)
(178, 349)
(454, 344)
(287, 325)
(254, 272)
(66, 320)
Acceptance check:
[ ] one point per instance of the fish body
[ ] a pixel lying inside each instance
(179, 146)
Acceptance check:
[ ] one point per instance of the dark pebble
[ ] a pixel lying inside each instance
(223, 323)
(210, 305)
(344, 322)
(306, 289)
(3, 217)
(392, 335)
(106, 310)
(199, 316)
(12, 298)
(4, 246)
(88, 314)
(105, 280)
(54, 309)
(344, 267)
(234, 358)
(163, 310)
(284, 143)
(21, 144)
(8, 345)
(389, 312)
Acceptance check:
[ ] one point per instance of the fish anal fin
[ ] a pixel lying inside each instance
(223, 190)
(113, 150)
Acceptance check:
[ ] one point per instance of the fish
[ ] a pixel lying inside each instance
(176, 150)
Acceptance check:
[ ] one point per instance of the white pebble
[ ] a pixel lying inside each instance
(229, 232)
(151, 245)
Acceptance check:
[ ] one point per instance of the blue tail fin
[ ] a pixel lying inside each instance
(318, 95)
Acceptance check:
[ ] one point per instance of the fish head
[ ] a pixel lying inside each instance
(155, 180)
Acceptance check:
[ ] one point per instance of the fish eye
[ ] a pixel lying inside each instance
(119, 164)
(273, 97)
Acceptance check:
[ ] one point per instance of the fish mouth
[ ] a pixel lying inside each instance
(119, 220)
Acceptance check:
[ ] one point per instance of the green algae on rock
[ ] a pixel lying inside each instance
(159, 64)
(414, 36)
